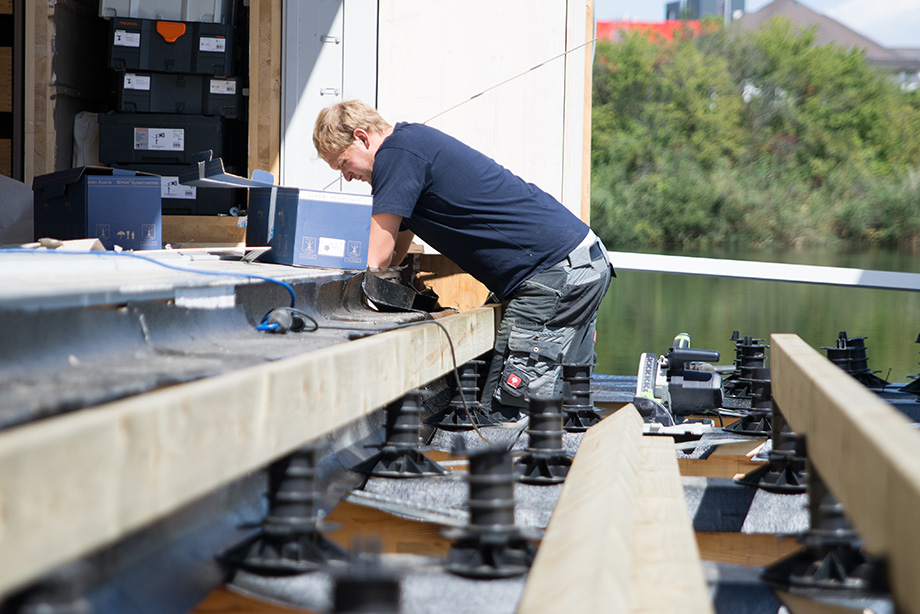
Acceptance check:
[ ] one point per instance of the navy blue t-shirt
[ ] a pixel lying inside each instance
(490, 222)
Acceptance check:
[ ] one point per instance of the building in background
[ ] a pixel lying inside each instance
(697, 9)
(902, 64)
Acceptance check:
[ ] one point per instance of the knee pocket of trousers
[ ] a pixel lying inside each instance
(534, 362)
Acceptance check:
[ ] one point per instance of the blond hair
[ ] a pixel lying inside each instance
(335, 126)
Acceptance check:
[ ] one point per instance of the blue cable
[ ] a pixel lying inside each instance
(284, 285)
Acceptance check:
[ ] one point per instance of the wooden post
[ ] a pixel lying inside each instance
(866, 451)
(620, 538)
(265, 35)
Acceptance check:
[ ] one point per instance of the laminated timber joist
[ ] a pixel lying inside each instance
(866, 452)
(72, 484)
(619, 528)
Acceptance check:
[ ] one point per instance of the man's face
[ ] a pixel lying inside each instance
(355, 162)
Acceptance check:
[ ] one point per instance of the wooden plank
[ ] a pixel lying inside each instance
(666, 574)
(586, 118)
(38, 109)
(620, 526)
(394, 535)
(203, 230)
(225, 601)
(454, 287)
(6, 7)
(748, 549)
(265, 36)
(79, 481)
(867, 453)
(583, 561)
(718, 466)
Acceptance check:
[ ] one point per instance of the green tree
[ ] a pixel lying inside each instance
(755, 137)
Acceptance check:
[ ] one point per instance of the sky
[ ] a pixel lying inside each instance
(891, 23)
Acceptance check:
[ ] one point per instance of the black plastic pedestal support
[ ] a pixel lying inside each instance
(785, 471)
(758, 421)
(578, 407)
(291, 540)
(491, 546)
(401, 456)
(832, 564)
(464, 412)
(545, 460)
(749, 355)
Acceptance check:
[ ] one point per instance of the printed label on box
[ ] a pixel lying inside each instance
(149, 232)
(159, 139)
(123, 38)
(353, 251)
(171, 188)
(223, 86)
(332, 247)
(213, 45)
(103, 231)
(137, 82)
(308, 248)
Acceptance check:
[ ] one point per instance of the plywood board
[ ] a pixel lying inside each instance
(204, 230)
(454, 287)
(82, 480)
(867, 452)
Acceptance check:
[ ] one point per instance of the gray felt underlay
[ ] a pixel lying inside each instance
(424, 587)
(443, 500)
(720, 505)
(515, 433)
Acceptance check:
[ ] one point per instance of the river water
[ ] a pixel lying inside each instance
(642, 312)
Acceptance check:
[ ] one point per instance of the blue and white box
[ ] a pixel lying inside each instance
(303, 227)
(310, 227)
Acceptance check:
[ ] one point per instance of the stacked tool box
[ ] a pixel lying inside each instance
(179, 91)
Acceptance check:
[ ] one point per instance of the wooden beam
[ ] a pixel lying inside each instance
(748, 549)
(587, 119)
(666, 574)
(265, 35)
(619, 527)
(866, 451)
(71, 484)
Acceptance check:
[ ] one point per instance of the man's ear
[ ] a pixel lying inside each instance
(362, 137)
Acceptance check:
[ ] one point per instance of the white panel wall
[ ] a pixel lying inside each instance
(423, 60)
(436, 54)
(330, 53)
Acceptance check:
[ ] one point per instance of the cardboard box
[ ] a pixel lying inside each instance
(309, 227)
(302, 227)
(119, 207)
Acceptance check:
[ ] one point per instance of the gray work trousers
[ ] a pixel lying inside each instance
(548, 320)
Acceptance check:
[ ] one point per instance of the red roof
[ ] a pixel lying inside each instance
(655, 30)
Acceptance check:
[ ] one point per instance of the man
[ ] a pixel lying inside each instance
(545, 264)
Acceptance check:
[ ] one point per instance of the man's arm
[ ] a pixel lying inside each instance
(387, 245)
